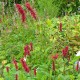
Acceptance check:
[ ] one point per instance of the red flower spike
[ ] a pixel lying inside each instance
(24, 65)
(33, 14)
(35, 71)
(16, 77)
(7, 69)
(23, 18)
(15, 63)
(77, 66)
(26, 50)
(55, 56)
(60, 27)
(53, 65)
(28, 6)
(21, 11)
(65, 51)
(31, 46)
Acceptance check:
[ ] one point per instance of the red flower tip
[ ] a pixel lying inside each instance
(15, 63)
(28, 6)
(60, 27)
(26, 51)
(21, 11)
(23, 17)
(7, 69)
(55, 56)
(77, 66)
(65, 51)
(35, 71)
(31, 46)
(33, 13)
(16, 77)
(24, 65)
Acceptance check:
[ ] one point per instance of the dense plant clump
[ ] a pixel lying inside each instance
(32, 48)
(45, 8)
(21, 11)
(49, 8)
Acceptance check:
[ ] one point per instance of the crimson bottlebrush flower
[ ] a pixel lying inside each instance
(21, 11)
(33, 13)
(31, 46)
(35, 71)
(77, 66)
(23, 17)
(55, 56)
(53, 65)
(60, 27)
(24, 65)
(29, 6)
(15, 64)
(26, 50)
(16, 77)
(65, 51)
(7, 69)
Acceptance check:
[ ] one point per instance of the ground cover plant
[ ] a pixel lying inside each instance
(34, 48)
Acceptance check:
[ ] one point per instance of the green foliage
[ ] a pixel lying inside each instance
(47, 40)
(53, 8)
(49, 8)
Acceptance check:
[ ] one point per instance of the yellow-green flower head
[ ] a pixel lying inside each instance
(48, 22)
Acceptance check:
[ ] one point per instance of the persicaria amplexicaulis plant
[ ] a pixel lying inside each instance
(65, 51)
(16, 77)
(32, 12)
(35, 71)
(24, 65)
(31, 46)
(7, 69)
(21, 11)
(26, 50)
(54, 57)
(15, 64)
(65, 55)
(77, 66)
(60, 27)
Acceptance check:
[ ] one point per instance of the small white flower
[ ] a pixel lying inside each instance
(78, 53)
(24, 58)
